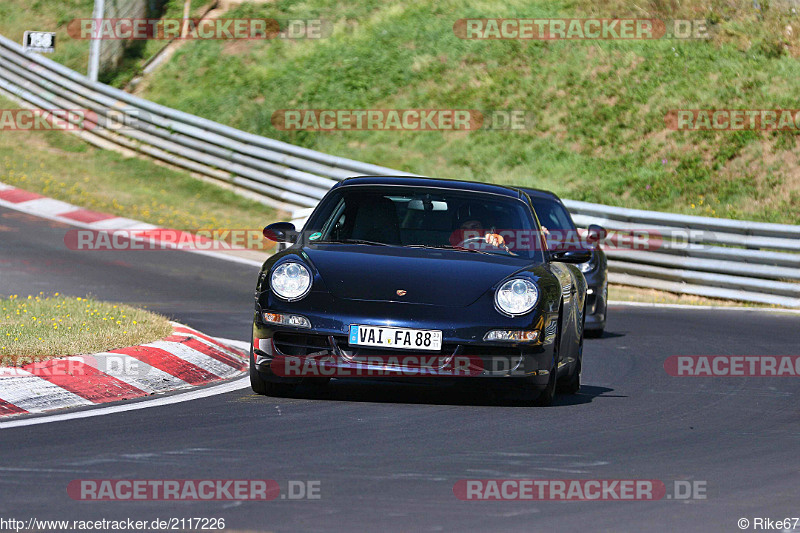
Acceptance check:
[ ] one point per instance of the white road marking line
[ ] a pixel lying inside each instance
(242, 345)
(206, 362)
(46, 205)
(135, 372)
(214, 390)
(32, 393)
(121, 223)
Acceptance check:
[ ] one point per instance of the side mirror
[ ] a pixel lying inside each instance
(281, 232)
(572, 256)
(596, 233)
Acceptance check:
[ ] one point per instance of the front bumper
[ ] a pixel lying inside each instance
(320, 356)
(596, 305)
(284, 353)
(596, 299)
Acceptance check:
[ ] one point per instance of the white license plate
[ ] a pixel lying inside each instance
(402, 338)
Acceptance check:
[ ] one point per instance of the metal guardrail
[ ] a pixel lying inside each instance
(748, 261)
(703, 256)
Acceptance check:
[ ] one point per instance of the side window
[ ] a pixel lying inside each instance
(338, 226)
(334, 227)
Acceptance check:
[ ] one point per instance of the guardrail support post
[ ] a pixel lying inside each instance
(94, 50)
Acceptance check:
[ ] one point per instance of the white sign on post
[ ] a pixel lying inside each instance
(43, 42)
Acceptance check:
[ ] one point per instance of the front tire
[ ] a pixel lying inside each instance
(598, 332)
(546, 397)
(264, 387)
(573, 384)
(257, 383)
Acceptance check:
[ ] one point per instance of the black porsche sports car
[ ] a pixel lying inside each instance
(419, 277)
(562, 233)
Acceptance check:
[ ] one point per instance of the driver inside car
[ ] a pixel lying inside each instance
(470, 223)
(495, 239)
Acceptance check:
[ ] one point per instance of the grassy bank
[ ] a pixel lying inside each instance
(62, 166)
(598, 108)
(36, 328)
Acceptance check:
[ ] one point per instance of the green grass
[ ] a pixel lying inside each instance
(598, 107)
(35, 328)
(62, 166)
(138, 53)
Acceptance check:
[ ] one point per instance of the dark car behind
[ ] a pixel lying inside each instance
(553, 215)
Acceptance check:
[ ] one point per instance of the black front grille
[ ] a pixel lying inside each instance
(301, 344)
(493, 358)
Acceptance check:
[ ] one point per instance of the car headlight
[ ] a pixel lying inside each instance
(290, 281)
(516, 296)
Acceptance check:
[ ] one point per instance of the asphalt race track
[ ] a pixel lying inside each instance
(387, 455)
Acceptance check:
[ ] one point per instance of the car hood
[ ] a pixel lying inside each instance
(449, 278)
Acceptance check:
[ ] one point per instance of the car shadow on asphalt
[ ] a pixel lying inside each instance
(606, 335)
(585, 395)
(375, 391)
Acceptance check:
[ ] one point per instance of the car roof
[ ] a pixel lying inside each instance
(540, 193)
(422, 181)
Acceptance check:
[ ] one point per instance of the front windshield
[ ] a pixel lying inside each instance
(426, 217)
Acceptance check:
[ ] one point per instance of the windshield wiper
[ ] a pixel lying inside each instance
(360, 241)
(463, 249)
(447, 247)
